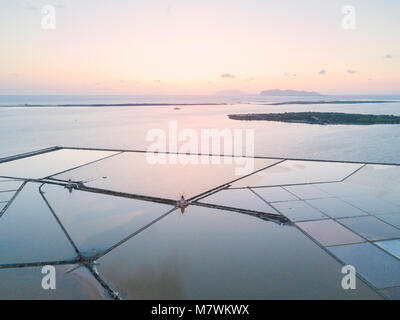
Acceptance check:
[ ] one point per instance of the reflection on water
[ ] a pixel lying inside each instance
(239, 198)
(94, 221)
(161, 281)
(214, 254)
(132, 173)
(25, 284)
(29, 232)
(49, 163)
(24, 129)
(297, 172)
(205, 253)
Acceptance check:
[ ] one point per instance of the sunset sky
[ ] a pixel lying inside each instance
(199, 47)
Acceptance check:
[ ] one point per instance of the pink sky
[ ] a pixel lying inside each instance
(129, 47)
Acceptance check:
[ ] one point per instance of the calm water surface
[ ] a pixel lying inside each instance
(205, 253)
(28, 128)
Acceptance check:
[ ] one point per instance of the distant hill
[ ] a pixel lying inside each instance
(282, 93)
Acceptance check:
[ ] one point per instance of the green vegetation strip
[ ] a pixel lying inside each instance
(319, 118)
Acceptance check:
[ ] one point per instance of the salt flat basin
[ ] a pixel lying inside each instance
(248, 240)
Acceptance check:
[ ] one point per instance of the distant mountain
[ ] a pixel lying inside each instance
(281, 93)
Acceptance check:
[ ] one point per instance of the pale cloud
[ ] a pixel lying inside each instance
(351, 71)
(227, 75)
(322, 72)
(388, 56)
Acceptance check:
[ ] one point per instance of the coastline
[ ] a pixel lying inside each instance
(321, 118)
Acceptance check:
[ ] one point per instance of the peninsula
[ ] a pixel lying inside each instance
(322, 118)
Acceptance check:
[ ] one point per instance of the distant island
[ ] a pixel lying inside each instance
(322, 118)
(330, 102)
(292, 93)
